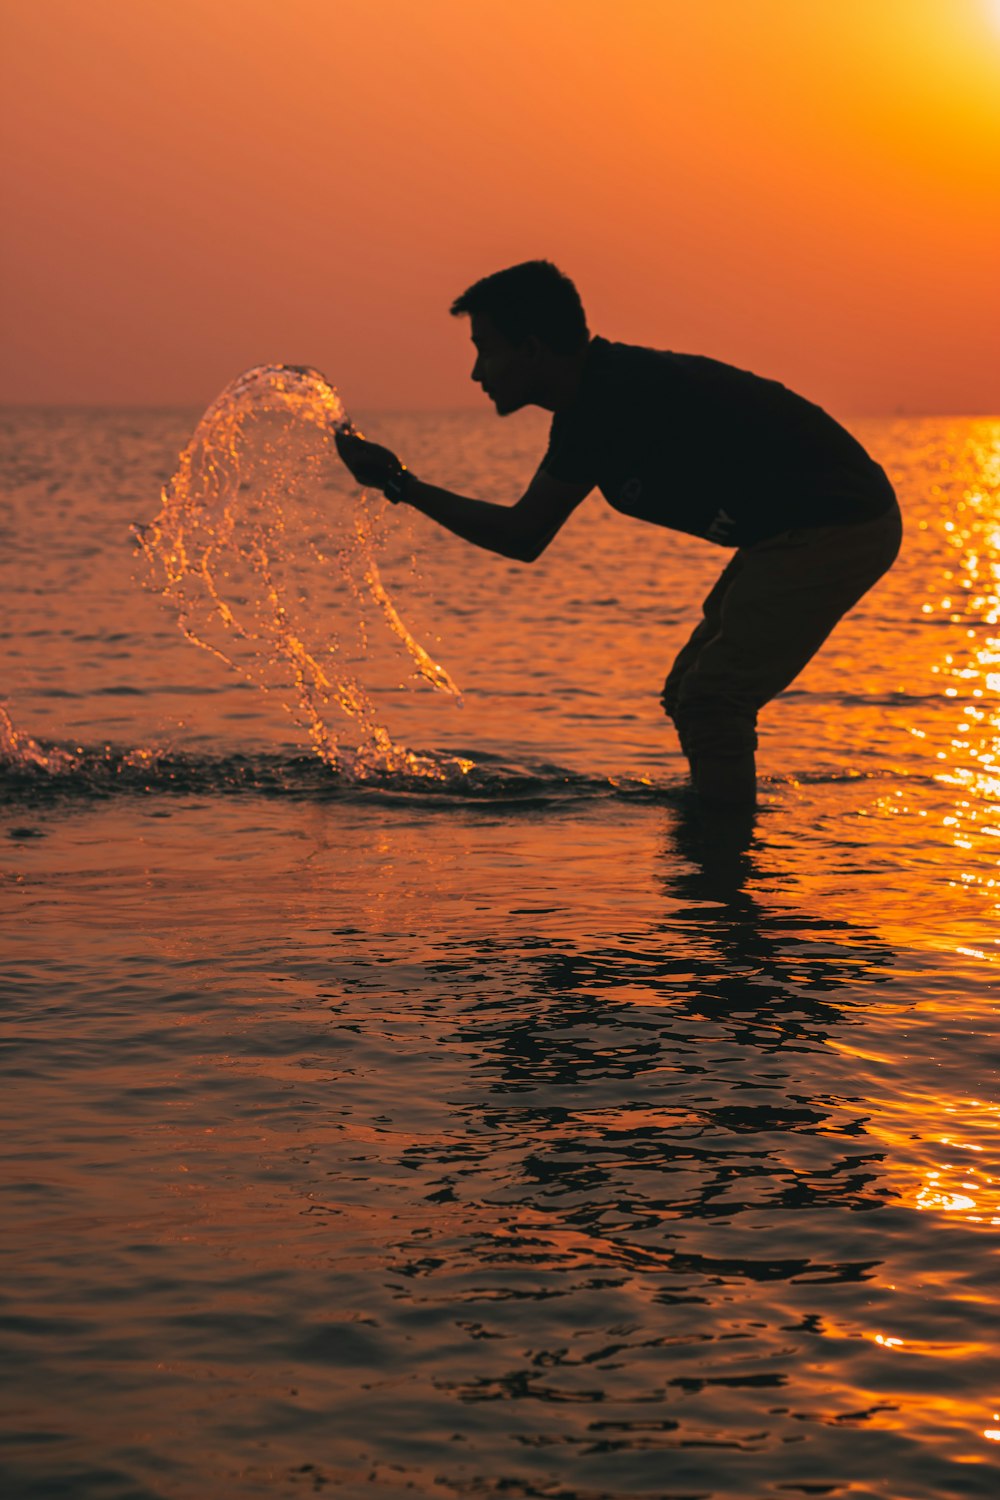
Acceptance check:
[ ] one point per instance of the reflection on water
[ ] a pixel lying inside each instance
(965, 609)
(515, 1133)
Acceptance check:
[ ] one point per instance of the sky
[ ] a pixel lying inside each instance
(806, 188)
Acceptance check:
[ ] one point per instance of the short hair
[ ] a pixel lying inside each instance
(533, 298)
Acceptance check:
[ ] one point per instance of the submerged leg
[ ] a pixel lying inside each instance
(725, 781)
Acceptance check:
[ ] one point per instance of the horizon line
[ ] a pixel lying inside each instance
(478, 409)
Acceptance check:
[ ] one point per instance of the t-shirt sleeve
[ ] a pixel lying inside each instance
(572, 452)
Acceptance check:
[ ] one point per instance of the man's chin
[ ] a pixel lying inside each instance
(505, 408)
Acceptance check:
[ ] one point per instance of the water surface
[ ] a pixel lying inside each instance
(498, 1133)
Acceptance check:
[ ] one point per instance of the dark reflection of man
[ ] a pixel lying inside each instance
(619, 1032)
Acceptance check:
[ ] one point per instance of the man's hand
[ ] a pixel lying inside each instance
(371, 464)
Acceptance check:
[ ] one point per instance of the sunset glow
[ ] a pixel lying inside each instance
(501, 918)
(197, 188)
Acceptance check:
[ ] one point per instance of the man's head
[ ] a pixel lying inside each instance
(530, 333)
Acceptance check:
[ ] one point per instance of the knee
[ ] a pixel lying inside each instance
(668, 699)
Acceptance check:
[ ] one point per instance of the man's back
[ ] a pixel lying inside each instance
(691, 443)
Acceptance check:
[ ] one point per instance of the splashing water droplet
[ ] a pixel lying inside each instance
(20, 749)
(269, 562)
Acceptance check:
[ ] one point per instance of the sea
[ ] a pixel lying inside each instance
(405, 1091)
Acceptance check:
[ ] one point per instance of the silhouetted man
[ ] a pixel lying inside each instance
(692, 444)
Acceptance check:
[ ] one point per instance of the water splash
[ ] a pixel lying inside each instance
(43, 774)
(17, 748)
(268, 560)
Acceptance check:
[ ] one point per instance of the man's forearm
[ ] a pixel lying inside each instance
(493, 527)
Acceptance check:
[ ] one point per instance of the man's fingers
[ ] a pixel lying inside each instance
(370, 463)
(351, 450)
(354, 457)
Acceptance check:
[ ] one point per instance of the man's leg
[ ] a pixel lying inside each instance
(704, 631)
(780, 603)
(726, 777)
(730, 777)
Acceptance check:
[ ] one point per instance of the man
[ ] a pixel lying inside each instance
(692, 444)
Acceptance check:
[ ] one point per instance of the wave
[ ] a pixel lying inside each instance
(46, 773)
(39, 772)
(62, 774)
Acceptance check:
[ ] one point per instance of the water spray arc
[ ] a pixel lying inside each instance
(256, 549)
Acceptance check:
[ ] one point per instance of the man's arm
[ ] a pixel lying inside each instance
(520, 531)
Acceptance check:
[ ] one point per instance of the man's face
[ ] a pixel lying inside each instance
(504, 370)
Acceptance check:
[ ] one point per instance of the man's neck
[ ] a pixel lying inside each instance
(563, 377)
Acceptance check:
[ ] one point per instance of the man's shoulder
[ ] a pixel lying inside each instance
(642, 365)
(624, 366)
(613, 351)
(643, 358)
(621, 385)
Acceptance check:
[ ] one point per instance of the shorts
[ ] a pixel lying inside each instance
(766, 617)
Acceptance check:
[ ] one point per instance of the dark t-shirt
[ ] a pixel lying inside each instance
(700, 446)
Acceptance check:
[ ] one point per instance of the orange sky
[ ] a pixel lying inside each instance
(807, 188)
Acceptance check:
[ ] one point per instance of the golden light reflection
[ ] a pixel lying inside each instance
(970, 664)
(951, 1172)
(927, 1348)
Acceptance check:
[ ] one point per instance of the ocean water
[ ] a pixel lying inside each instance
(451, 1113)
